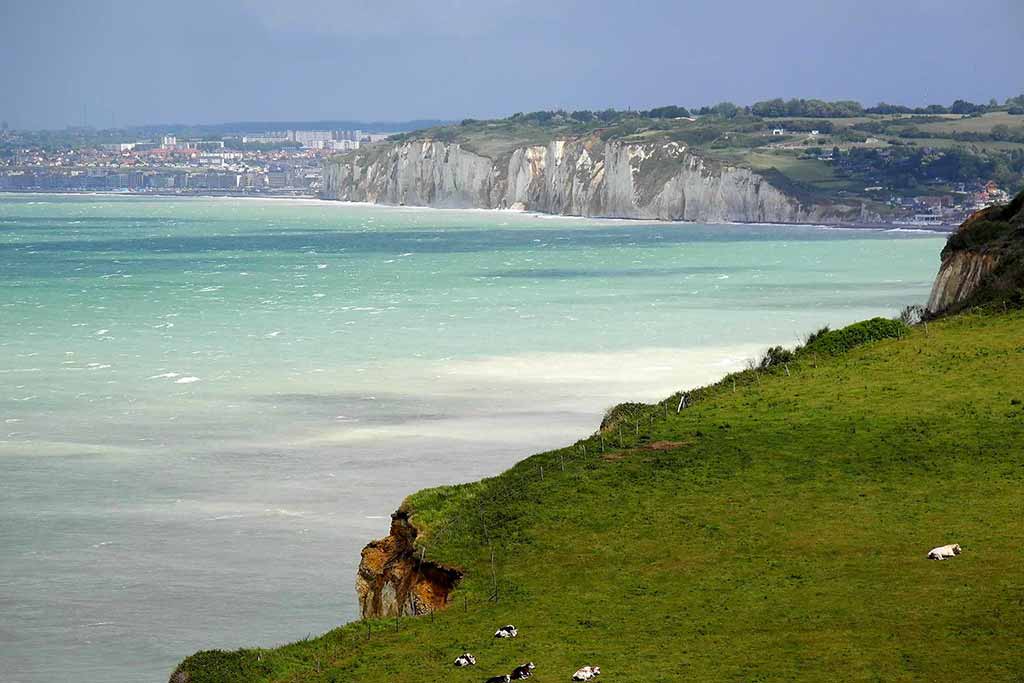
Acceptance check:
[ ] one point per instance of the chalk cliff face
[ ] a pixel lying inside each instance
(960, 274)
(582, 177)
(983, 260)
(394, 579)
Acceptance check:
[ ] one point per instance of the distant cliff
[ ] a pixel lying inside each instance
(983, 260)
(576, 177)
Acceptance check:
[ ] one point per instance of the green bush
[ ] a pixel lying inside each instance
(776, 355)
(834, 342)
(218, 666)
(621, 414)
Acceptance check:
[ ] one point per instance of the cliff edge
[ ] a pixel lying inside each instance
(395, 580)
(982, 261)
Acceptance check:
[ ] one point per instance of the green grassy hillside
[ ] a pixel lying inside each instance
(775, 529)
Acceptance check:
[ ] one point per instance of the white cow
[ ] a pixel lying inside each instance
(586, 673)
(945, 551)
(506, 631)
(465, 659)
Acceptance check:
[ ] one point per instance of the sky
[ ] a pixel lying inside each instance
(131, 62)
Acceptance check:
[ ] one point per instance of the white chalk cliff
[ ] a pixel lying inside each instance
(581, 177)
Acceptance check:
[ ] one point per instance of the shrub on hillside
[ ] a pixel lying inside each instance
(978, 234)
(623, 413)
(834, 342)
(776, 355)
(814, 336)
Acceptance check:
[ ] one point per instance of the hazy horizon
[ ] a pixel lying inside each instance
(129, 64)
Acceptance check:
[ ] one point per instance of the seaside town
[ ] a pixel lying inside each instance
(277, 162)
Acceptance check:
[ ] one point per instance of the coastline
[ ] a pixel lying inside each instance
(301, 410)
(943, 229)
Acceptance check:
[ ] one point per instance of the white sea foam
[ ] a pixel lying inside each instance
(281, 512)
(187, 380)
(165, 375)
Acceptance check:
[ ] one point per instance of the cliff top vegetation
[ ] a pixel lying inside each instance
(997, 233)
(822, 151)
(770, 527)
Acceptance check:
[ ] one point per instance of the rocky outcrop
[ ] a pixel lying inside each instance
(983, 260)
(394, 579)
(580, 177)
(959, 276)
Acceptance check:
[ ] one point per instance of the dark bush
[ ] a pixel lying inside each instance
(978, 234)
(776, 355)
(622, 414)
(840, 341)
(814, 336)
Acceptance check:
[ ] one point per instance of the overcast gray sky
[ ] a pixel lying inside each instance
(205, 61)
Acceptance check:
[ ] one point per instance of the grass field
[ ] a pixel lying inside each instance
(950, 143)
(976, 124)
(774, 530)
(818, 175)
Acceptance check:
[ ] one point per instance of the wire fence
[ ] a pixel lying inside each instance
(482, 515)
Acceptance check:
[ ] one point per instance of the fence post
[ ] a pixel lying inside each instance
(494, 576)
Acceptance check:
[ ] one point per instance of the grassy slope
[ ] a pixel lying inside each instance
(781, 537)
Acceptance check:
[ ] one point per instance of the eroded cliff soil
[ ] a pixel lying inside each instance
(393, 579)
(582, 177)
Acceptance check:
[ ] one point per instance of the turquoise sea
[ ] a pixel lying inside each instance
(207, 406)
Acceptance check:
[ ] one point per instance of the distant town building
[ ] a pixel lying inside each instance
(277, 179)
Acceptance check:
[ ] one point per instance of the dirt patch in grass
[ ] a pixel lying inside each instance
(664, 445)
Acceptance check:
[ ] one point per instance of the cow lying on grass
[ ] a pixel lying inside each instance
(507, 631)
(943, 552)
(586, 673)
(521, 672)
(465, 659)
(503, 678)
